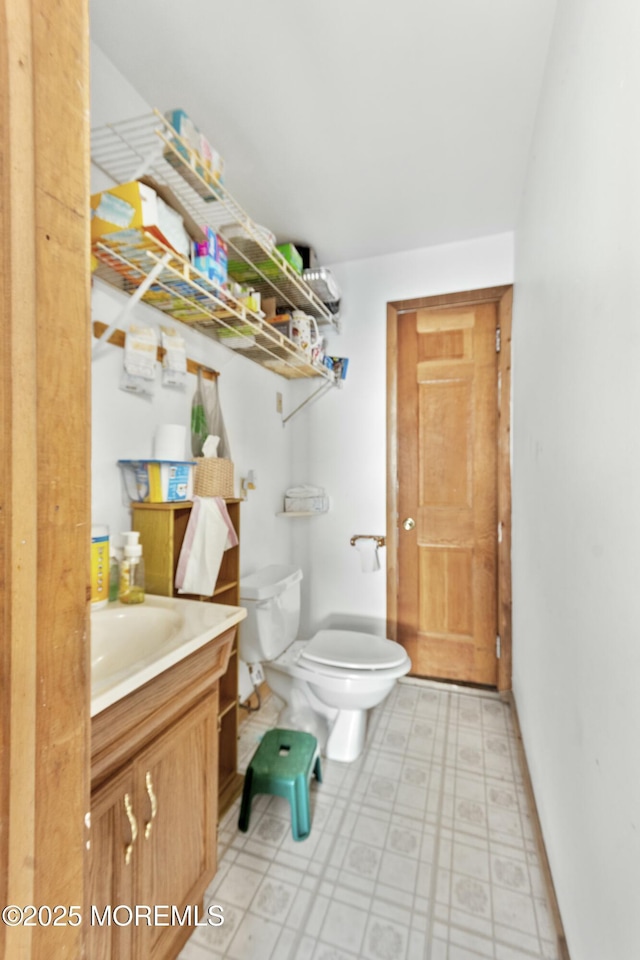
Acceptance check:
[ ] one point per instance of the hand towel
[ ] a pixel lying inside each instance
(368, 550)
(209, 533)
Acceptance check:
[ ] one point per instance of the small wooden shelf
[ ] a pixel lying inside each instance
(162, 527)
(225, 706)
(225, 586)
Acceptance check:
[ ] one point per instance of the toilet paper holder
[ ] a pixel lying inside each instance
(380, 541)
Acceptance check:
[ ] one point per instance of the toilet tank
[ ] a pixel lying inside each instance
(271, 597)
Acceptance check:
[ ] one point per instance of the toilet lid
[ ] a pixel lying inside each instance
(355, 651)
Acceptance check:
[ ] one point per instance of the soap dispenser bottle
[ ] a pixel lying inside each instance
(131, 570)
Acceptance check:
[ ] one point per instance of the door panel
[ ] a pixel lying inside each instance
(447, 460)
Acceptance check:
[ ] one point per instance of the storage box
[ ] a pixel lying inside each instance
(126, 212)
(158, 481)
(305, 498)
(242, 272)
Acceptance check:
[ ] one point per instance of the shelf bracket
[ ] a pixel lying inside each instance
(135, 298)
(322, 389)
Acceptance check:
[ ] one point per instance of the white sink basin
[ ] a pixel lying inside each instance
(132, 643)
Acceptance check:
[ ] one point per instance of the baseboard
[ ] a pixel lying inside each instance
(563, 950)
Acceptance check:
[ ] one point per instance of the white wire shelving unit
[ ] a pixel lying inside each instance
(149, 147)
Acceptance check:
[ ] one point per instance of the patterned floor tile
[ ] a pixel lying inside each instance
(423, 847)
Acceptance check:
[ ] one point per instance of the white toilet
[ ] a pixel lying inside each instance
(328, 682)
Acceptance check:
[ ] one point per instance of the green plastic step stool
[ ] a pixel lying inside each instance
(282, 765)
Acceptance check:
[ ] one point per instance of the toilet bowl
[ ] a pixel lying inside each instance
(329, 682)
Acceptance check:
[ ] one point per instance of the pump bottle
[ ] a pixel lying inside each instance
(131, 570)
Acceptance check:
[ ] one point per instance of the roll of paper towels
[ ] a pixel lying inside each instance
(368, 550)
(170, 442)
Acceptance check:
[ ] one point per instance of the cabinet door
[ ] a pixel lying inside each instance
(113, 859)
(176, 779)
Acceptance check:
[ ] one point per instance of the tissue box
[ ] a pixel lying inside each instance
(126, 212)
(310, 504)
(214, 477)
(158, 481)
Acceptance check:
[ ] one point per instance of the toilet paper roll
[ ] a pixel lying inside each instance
(369, 559)
(170, 442)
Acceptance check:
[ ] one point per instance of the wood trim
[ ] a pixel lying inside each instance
(18, 490)
(487, 295)
(45, 455)
(117, 339)
(563, 949)
(502, 295)
(392, 472)
(504, 492)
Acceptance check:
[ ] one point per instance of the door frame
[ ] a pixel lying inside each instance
(503, 297)
(45, 464)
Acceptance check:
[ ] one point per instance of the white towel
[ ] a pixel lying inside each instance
(209, 533)
(369, 559)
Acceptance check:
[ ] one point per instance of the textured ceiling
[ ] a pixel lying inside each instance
(357, 126)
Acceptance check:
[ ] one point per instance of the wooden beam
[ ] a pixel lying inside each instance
(45, 457)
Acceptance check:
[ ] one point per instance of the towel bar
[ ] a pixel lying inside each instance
(381, 541)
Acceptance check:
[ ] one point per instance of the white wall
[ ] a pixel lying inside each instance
(576, 509)
(340, 443)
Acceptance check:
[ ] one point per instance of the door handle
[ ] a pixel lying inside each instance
(154, 805)
(133, 824)
(409, 523)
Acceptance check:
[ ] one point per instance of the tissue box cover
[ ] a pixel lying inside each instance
(158, 481)
(128, 211)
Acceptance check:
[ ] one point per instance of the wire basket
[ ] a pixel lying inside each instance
(214, 477)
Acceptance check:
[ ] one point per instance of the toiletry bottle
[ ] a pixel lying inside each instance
(131, 570)
(99, 567)
(114, 578)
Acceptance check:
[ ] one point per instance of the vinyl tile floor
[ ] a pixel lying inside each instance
(422, 849)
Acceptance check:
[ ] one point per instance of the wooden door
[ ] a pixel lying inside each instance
(176, 780)
(113, 858)
(447, 405)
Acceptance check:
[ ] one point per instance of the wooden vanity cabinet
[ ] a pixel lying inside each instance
(162, 527)
(154, 806)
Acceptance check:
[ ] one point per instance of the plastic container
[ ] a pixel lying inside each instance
(158, 481)
(114, 578)
(99, 566)
(132, 570)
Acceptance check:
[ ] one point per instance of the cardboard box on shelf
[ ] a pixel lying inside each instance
(128, 211)
(211, 256)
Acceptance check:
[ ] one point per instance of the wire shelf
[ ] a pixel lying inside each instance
(190, 297)
(150, 146)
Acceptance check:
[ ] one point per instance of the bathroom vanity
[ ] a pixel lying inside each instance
(154, 786)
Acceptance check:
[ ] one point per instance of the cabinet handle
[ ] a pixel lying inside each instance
(154, 805)
(133, 823)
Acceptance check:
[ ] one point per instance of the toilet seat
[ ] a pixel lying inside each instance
(350, 650)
